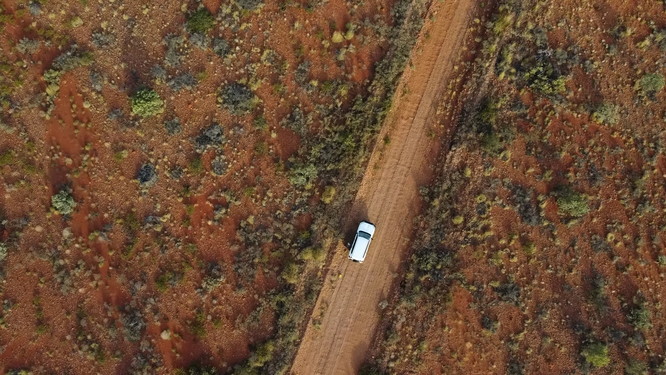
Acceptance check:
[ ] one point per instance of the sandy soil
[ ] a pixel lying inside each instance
(347, 311)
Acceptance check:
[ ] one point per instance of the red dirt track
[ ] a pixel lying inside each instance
(347, 311)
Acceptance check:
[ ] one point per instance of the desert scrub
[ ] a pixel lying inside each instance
(314, 254)
(328, 194)
(67, 61)
(63, 202)
(650, 84)
(263, 354)
(27, 46)
(6, 158)
(596, 354)
(221, 47)
(200, 21)
(146, 102)
(544, 78)
(197, 369)
(636, 367)
(291, 273)
(3, 251)
(639, 317)
(237, 98)
(198, 325)
(183, 81)
(571, 203)
(303, 175)
(606, 113)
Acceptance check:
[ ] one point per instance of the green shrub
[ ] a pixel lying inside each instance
(303, 175)
(650, 83)
(72, 59)
(571, 203)
(198, 325)
(596, 354)
(291, 273)
(606, 113)
(263, 354)
(63, 202)
(640, 317)
(197, 369)
(328, 194)
(636, 367)
(315, 254)
(146, 102)
(6, 158)
(543, 78)
(493, 136)
(196, 165)
(337, 37)
(19, 372)
(3, 251)
(200, 21)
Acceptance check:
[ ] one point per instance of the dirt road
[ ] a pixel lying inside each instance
(347, 310)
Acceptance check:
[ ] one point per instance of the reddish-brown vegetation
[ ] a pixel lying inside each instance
(162, 166)
(543, 248)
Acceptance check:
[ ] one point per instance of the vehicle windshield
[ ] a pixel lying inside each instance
(364, 235)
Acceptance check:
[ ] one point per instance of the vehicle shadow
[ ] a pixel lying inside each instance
(358, 356)
(357, 213)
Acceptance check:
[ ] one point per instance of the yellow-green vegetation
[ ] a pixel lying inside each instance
(200, 21)
(63, 202)
(650, 83)
(6, 158)
(572, 203)
(596, 354)
(328, 194)
(146, 102)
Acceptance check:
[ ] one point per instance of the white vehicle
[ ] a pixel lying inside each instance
(359, 247)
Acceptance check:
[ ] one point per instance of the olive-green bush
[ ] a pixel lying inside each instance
(200, 21)
(146, 102)
(651, 83)
(596, 354)
(571, 203)
(63, 202)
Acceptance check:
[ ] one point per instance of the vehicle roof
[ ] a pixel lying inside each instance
(367, 227)
(358, 252)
